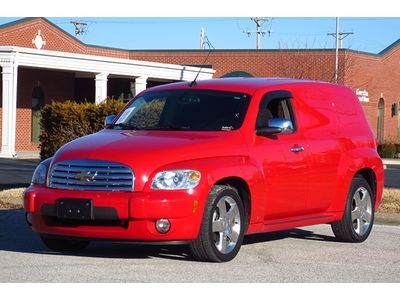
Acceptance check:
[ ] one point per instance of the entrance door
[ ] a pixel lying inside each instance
(398, 120)
(381, 118)
(37, 103)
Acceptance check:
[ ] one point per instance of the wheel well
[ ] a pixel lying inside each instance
(243, 190)
(370, 177)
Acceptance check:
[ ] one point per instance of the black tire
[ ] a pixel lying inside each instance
(229, 236)
(356, 223)
(64, 244)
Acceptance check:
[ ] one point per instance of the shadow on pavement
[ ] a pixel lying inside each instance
(294, 233)
(16, 236)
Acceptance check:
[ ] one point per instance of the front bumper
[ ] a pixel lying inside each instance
(119, 215)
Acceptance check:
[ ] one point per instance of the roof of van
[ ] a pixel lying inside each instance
(245, 84)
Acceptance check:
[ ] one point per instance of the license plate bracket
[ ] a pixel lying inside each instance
(75, 209)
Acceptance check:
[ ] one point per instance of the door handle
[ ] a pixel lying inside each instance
(297, 149)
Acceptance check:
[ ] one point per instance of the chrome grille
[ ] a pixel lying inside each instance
(91, 175)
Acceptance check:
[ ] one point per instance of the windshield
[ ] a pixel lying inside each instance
(193, 110)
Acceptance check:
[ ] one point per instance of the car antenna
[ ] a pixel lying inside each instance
(210, 47)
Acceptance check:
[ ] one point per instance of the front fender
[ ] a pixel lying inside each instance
(216, 169)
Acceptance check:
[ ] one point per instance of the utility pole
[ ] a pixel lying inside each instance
(202, 34)
(337, 51)
(80, 28)
(259, 23)
(339, 37)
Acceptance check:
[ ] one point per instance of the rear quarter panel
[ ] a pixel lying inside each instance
(359, 149)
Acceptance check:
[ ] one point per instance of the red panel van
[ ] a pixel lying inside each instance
(207, 163)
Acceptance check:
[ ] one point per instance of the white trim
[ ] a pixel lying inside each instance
(140, 85)
(101, 87)
(9, 105)
(100, 64)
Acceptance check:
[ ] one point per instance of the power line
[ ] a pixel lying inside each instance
(170, 21)
(80, 28)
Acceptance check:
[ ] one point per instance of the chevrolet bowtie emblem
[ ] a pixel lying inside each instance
(86, 176)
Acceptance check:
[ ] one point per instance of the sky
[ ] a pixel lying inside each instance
(225, 26)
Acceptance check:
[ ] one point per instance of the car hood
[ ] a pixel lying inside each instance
(147, 151)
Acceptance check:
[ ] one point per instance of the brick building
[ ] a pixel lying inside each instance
(40, 62)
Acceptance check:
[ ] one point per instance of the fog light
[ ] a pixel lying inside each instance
(163, 225)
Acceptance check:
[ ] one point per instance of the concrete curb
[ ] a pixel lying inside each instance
(392, 161)
(387, 218)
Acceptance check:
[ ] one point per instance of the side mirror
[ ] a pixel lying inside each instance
(276, 125)
(109, 120)
(285, 125)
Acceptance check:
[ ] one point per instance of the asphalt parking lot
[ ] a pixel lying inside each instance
(16, 173)
(307, 254)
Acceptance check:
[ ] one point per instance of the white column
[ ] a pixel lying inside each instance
(101, 87)
(139, 85)
(9, 111)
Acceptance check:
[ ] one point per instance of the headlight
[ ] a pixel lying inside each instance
(39, 176)
(176, 180)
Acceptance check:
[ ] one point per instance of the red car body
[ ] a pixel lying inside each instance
(285, 180)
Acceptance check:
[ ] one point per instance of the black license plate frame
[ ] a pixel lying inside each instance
(75, 209)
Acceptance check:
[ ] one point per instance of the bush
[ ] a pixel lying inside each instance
(63, 122)
(387, 150)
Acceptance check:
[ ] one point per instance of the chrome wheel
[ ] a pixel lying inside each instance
(226, 224)
(222, 228)
(358, 216)
(361, 211)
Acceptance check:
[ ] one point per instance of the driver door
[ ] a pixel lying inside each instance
(283, 157)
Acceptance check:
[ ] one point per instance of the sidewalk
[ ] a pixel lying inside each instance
(391, 161)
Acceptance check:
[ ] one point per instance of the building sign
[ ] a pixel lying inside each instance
(362, 95)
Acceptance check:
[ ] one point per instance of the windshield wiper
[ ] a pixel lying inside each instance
(167, 127)
(123, 126)
(172, 127)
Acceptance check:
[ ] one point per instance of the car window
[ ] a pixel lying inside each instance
(274, 108)
(191, 110)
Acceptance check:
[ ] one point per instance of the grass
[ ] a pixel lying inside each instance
(390, 201)
(12, 198)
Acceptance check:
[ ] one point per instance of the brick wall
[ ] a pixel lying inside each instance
(262, 63)
(379, 76)
(22, 33)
